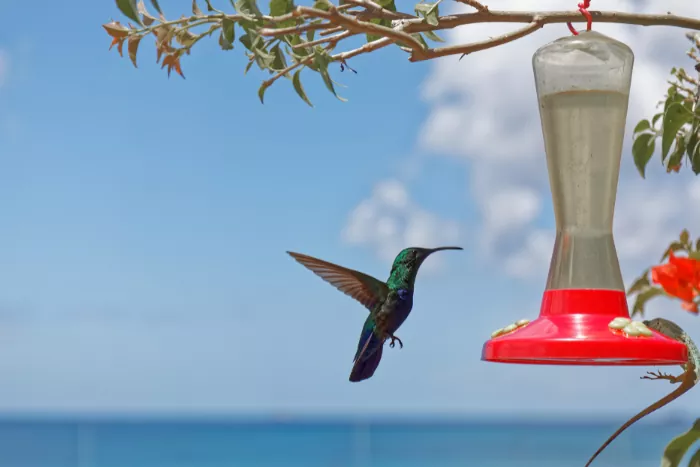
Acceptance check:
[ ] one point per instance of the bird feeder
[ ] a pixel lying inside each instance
(583, 85)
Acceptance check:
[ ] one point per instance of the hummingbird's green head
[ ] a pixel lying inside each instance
(407, 262)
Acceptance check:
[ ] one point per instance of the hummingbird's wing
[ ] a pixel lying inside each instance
(362, 287)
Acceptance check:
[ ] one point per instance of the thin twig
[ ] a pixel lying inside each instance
(551, 17)
(681, 87)
(352, 24)
(368, 47)
(270, 32)
(375, 10)
(466, 49)
(324, 40)
(341, 57)
(328, 32)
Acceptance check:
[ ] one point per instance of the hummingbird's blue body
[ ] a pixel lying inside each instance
(389, 303)
(369, 340)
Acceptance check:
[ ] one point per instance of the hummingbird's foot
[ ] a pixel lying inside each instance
(393, 343)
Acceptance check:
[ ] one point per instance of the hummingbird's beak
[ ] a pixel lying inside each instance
(440, 248)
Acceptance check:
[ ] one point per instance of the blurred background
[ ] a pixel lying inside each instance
(150, 317)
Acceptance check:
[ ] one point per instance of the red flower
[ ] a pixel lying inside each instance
(680, 277)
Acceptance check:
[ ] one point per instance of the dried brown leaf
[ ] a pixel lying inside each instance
(195, 9)
(119, 42)
(185, 37)
(132, 47)
(116, 29)
(147, 18)
(172, 61)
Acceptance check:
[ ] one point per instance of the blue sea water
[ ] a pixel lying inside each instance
(25, 443)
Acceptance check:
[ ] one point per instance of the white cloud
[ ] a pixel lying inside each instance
(389, 221)
(533, 257)
(483, 110)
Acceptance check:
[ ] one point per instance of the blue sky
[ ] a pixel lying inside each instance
(145, 222)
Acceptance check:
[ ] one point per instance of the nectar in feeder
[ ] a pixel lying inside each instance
(583, 85)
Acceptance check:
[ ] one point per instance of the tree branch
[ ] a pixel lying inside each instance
(375, 10)
(466, 49)
(551, 17)
(336, 23)
(357, 26)
(535, 20)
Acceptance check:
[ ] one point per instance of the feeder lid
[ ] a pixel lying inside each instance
(588, 61)
(574, 329)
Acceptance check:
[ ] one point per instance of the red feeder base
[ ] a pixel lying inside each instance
(573, 330)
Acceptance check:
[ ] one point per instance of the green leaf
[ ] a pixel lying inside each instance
(156, 6)
(692, 136)
(642, 150)
(263, 58)
(695, 160)
(279, 63)
(228, 34)
(640, 284)
(292, 39)
(432, 16)
(281, 7)
(429, 11)
(673, 247)
(420, 39)
(656, 118)
(422, 8)
(642, 126)
(432, 36)
(692, 145)
(695, 460)
(697, 245)
(322, 5)
(247, 67)
(322, 60)
(250, 41)
(675, 117)
(673, 98)
(677, 154)
(248, 8)
(329, 84)
(387, 5)
(684, 237)
(643, 298)
(129, 9)
(382, 22)
(677, 448)
(261, 92)
(296, 82)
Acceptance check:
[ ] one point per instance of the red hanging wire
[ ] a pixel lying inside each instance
(583, 8)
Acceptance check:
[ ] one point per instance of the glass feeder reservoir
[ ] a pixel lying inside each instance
(583, 85)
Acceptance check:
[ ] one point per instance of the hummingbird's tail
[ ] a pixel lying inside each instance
(368, 356)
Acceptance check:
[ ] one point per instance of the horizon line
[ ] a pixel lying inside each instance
(497, 418)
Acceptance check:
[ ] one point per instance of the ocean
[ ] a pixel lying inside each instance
(132, 443)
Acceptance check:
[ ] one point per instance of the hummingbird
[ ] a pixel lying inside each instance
(389, 303)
